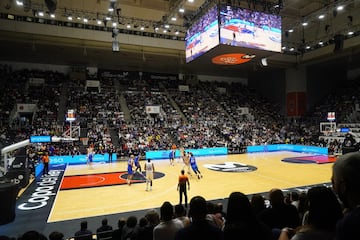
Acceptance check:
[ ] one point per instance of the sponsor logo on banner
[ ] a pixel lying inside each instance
(44, 192)
(231, 167)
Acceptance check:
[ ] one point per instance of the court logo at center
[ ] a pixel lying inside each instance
(231, 167)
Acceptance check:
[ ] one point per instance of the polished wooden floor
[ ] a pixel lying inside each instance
(271, 172)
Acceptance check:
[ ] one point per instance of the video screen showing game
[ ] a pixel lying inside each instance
(246, 28)
(203, 35)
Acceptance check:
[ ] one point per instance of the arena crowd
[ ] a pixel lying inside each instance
(113, 119)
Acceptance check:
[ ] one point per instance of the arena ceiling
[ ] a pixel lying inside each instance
(42, 48)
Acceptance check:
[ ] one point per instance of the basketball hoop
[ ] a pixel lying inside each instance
(84, 141)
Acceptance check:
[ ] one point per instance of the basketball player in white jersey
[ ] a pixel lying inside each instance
(149, 172)
(186, 160)
(182, 153)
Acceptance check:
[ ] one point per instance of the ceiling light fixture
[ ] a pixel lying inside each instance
(264, 62)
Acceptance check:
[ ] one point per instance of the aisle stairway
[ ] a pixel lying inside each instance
(62, 104)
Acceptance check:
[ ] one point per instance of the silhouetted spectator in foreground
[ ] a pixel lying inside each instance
(199, 227)
(130, 229)
(32, 235)
(346, 184)
(56, 236)
(321, 218)
(83, 233)
(279, 215)
(146, 233)
(105, 231)
(169, 225)
(257, 203)
(116, 234)
(241, 221)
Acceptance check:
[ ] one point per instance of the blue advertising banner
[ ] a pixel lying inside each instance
(80, 159)
(287, 147)
(38, 169)
(197, 152)
(40, 139)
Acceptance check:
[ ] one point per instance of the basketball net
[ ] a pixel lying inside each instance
(84, 141)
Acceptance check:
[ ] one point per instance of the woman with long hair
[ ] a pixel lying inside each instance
(241, 221)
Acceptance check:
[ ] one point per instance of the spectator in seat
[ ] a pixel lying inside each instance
(153, 219)
(241, 221)
(199, 227)
(258, 203)
(83, 233)
(180, 213)
(32, 235)
(130, 230)
(346, 183)
(321, 218)
(56, 236)
(116, 234)
(105, 231)
(169, 225)
(279, 215)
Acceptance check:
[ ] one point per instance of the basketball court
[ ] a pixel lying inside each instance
(101, 189)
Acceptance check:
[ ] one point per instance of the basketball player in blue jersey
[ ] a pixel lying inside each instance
(137, 163)
(149, 172)
(194, 166)
(172, 157)
(90, 156)
(130, 169)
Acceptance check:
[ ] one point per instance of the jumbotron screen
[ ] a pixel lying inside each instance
(246, 28)
(203, 35)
